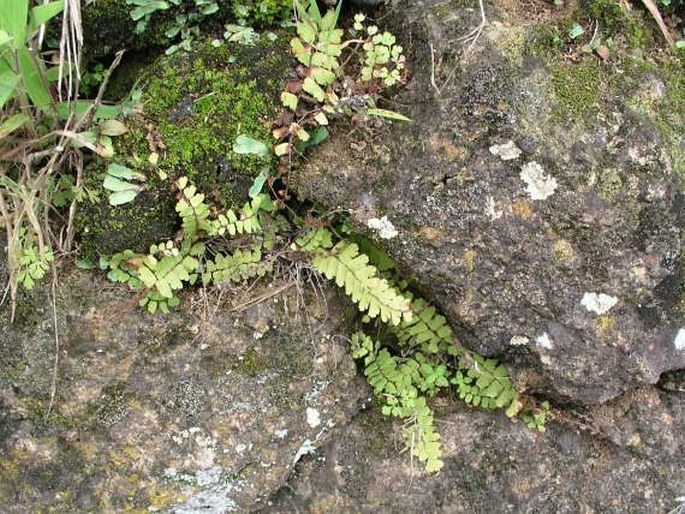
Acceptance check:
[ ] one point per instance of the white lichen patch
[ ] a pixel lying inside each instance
(539, 185)
(679, 341)
(507, 152)
(491, 209)
(544, 341)
(383, 226)
(281, 434)
(313, 417)
(519, 341)
(598, 303)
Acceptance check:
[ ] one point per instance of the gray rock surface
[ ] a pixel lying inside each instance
(625, 457)
(538, 200)
(205, 410)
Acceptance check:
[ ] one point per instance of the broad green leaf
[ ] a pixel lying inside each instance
(8, 83)
(148, 8)
(105, 147)
(307, 32)
(116, 184)
(289, 100)
(80, 107)
(122, 197)
(246, 145)
(258, 183)
(385, 113)
(33, 79)
(13, 15)
(12, 124)
(320, 134)
(304, 55)
(113, 128)
(43, 13)
(119, 171)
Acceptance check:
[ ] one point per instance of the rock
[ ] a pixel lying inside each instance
(535, 199)
(206, 409)
(625, 456)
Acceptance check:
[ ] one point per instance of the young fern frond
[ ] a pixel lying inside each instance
(192, 209)
(396, 384)
(372, 294)
(168, 274)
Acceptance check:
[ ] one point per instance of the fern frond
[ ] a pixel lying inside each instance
(372, 294)
(422, 437)
(428, 330)
(395, 384)
(243, 264)
(246, 221)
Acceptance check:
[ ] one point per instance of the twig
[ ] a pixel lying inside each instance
(435, 86)
(473, 36)
(654, 11)
(53, 383)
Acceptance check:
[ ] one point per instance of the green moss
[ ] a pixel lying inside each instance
(251, 363)
(578, 89)
(202, 102)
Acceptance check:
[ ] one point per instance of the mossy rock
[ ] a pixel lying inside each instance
(195, 105)
(108, 26)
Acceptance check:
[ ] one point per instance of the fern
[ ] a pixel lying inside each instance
(372, 294)
(167, 271)
(243, 264)
(315, 239)
(245, 222)
(397, 385)
(192, 209)
(485, 383)
(33, 264)
(427, 329)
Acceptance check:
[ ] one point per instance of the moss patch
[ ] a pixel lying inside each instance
(578, 89)
(195, 105)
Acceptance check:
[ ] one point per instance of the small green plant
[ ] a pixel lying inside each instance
(188, 17)
(123, 183)
(383, 57)
(537, 417)
(169, 265)
(318, 92)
